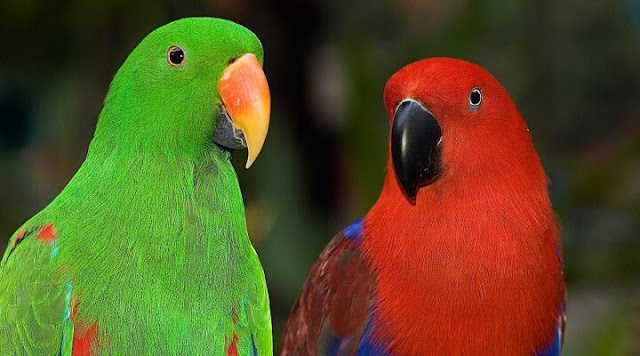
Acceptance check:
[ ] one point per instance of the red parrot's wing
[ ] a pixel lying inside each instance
(332, 312)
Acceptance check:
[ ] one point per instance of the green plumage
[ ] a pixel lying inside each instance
(152, 244)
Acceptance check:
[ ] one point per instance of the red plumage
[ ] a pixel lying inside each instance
(334, 302)
(47, 234)
(83, 340)
(232, 349)
(84, 336)
(474, 265)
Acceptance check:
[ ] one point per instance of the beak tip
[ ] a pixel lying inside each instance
(410, 190)
(412, 197)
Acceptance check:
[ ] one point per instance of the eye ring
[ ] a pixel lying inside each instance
(175, 56)
(475, 98)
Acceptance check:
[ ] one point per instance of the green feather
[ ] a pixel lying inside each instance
(151, 230)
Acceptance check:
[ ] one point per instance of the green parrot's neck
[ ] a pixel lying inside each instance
(153, 210)
(169, 207)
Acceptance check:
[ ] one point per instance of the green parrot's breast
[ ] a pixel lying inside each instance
(161, 263)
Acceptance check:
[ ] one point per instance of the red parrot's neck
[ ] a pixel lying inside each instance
(471, 268)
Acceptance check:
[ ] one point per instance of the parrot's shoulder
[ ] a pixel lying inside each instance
(44, 234)
(33, 298)
(333, 312)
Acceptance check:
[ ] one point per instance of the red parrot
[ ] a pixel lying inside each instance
(461, 253)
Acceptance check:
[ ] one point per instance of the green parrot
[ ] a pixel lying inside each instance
(146, 249)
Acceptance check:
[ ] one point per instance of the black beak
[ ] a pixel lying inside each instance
(415, 139)
(225, 134)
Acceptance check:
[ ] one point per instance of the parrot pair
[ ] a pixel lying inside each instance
(146, 250)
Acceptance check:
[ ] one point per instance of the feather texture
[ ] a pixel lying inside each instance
(473, 266)
(146, 249)
(333, 313)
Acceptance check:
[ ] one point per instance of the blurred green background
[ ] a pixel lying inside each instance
(572, 66)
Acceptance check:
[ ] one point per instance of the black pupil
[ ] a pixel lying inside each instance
(475, 97)
(176, 56)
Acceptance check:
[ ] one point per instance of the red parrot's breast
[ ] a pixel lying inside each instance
(463, 278)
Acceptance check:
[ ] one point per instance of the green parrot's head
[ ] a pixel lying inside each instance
(190, 86)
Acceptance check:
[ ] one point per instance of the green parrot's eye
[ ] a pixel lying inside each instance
(175, 55)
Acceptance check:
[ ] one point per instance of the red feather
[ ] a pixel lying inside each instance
(232, 349)
(83, 340)
(47, 234)
(84, 336)
(334, 301)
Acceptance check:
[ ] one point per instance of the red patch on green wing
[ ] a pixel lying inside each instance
(83, 337)
(84, 340)
(47, 234)
(232, 349)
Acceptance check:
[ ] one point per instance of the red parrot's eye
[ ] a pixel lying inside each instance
(475, 98)
(175, 55)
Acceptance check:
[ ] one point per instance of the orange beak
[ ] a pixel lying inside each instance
(245, 94)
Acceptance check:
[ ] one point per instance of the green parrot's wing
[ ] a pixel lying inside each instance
(33, 306)
(252, 332)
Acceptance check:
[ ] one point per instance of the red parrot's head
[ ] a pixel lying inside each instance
(451, 121)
